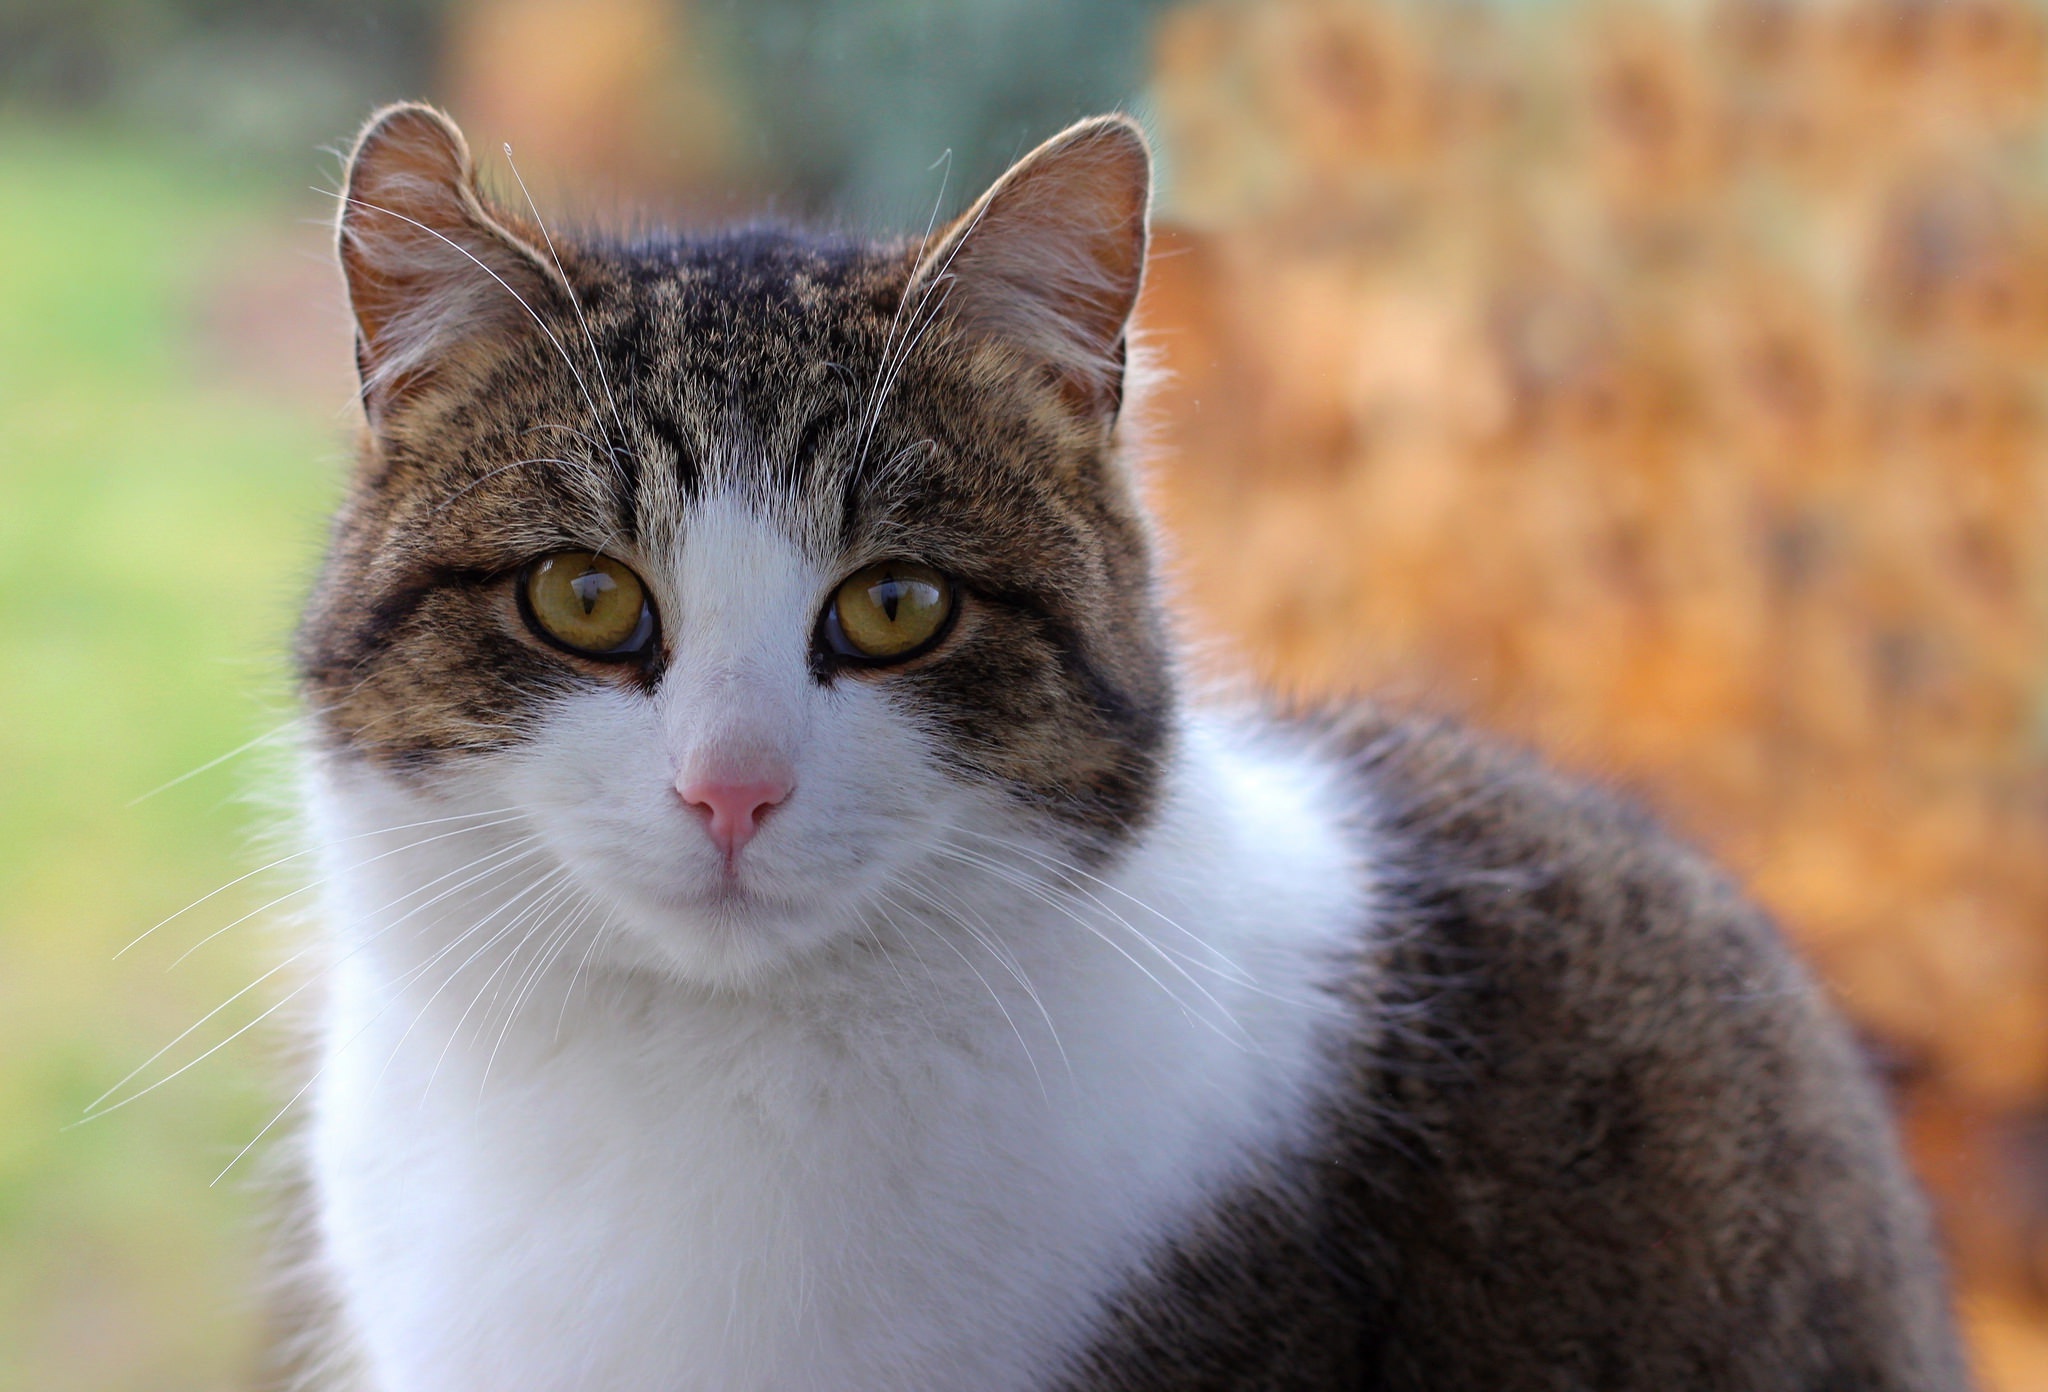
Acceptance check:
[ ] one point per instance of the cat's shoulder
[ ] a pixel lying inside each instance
(1548, 939)
(1483, 847)
(1594, 1125)
(1608, 1100)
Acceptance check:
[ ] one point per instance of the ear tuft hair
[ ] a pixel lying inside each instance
(431, 269)
(1050, 260)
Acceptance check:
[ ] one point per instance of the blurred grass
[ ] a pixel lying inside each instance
(155, 530)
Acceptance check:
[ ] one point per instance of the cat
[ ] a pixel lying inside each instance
(794, 925)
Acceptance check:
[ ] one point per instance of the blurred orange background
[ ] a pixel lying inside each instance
(1663, 384)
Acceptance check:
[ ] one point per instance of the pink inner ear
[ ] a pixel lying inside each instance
(429, 267)
(1050, 260)
(407, 169)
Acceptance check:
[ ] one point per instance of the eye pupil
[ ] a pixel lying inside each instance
(889, 612)
(590, 587)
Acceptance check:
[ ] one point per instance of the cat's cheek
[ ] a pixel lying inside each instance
(597, 784)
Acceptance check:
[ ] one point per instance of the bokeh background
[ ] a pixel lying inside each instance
(1660, 382)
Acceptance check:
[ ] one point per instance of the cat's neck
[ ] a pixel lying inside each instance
(995, 1084)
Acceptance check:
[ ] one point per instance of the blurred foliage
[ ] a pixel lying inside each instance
(855, 103)
(857, 113)
(838, 107)
(1665, 383)
(238, 79)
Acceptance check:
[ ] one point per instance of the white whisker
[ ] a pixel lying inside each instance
(985, 935)
(551, 946)
(324, 879)
(214, 762)
(447, 950)
(532, 313)
(95, 1110)
(554, 881)
(596, 938)
(286, 860)
(596, 359)
(1047, 896)
(1223, 965)
(993, 994)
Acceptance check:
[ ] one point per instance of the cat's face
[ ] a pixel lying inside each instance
(759, 574)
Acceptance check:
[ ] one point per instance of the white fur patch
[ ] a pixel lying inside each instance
(902, 1119)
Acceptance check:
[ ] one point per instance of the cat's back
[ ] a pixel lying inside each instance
(1596, 1129)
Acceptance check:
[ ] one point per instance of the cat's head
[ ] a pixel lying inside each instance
(754, 572)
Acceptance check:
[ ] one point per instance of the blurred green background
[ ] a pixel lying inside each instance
(158, 523)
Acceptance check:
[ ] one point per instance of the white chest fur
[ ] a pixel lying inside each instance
(897, 1168)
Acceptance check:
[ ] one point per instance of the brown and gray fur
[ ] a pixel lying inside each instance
(708, 351)
(1596, 1128)
(1610, 1136)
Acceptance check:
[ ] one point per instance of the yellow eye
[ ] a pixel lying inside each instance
(888, 612)
(588, 603)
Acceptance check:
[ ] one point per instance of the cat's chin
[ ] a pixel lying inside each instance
(727, 935)
(723, 899)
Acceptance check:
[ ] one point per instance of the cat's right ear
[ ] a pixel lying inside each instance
(1049, 261)
(435, 275)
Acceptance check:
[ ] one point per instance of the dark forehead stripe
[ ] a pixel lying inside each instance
(756, 334)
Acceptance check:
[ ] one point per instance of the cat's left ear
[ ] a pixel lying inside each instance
(1049, 261)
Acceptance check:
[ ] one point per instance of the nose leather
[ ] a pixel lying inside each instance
(733, 807)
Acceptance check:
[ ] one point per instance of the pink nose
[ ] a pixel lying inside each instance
(734, 809)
